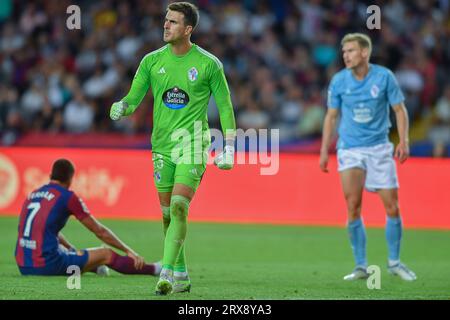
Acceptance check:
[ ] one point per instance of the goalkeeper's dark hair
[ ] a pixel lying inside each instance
(189, 10)
(62, 171)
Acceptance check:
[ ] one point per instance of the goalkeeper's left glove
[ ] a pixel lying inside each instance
(225, 160)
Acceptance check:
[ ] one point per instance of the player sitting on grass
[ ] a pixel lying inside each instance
(41, 249)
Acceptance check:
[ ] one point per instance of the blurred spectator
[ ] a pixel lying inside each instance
(32, 101)
(325, 51)
(310, 124)
(312, 14)
(96, 86)
(32, 18)
(234, 19)
(87, 58)
(14, 128)
(412, 83)
(253, 117)
(8, 103)
(78, 115)
(11, 39)
(260, 20)
(128, 47)
(439, 133)
(291, 110)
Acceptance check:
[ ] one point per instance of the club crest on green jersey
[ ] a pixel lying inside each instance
(193, 74)
(175, 98)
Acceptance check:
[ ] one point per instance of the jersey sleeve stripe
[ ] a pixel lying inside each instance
(155, 52)
(211, 56)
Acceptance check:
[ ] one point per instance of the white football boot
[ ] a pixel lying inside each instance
(165, 283)
(181, 284)
(402, 271)
(358, 273)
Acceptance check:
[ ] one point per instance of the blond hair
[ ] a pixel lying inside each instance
(362, 39)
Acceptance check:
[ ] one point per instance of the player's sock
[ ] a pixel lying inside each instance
(176, 233)
(357, 235)
(166, 218)
(393, 237)
(125, 265)
(180, 263)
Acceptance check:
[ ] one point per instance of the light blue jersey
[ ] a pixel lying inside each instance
(364, 106)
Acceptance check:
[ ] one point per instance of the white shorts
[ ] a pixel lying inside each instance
(377, 161)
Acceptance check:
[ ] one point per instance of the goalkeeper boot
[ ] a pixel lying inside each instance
(359, 272)
(181, 283)
(165, 283)
(399, 269)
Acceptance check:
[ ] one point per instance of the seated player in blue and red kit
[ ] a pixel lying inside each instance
(41, 249)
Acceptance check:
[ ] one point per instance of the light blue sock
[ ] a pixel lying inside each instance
(357, 235)
(393, 237)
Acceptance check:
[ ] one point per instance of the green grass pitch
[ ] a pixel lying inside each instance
(230, 261)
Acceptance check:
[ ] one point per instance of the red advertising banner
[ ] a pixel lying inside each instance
(119, 184)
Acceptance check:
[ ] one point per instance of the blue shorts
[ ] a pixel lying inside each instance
(59, 264)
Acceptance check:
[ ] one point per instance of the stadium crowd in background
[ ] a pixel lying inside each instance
(278, 58)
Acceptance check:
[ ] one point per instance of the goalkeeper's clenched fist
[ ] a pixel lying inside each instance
(117, 110)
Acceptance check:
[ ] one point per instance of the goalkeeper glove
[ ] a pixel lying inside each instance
(225, 160)
(117, 110)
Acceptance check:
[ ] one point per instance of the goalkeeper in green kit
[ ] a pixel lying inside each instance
(182, 77)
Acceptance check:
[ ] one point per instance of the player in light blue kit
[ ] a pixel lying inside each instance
(362, 94)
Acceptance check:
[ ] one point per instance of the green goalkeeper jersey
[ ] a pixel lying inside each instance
(181, 87)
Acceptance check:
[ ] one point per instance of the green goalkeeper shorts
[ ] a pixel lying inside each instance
(166, 172)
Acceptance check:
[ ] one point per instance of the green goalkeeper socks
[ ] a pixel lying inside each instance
(176, 233)
(180, 263)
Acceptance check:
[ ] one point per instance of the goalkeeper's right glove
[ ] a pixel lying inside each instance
(225, 160)
(117, 110)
